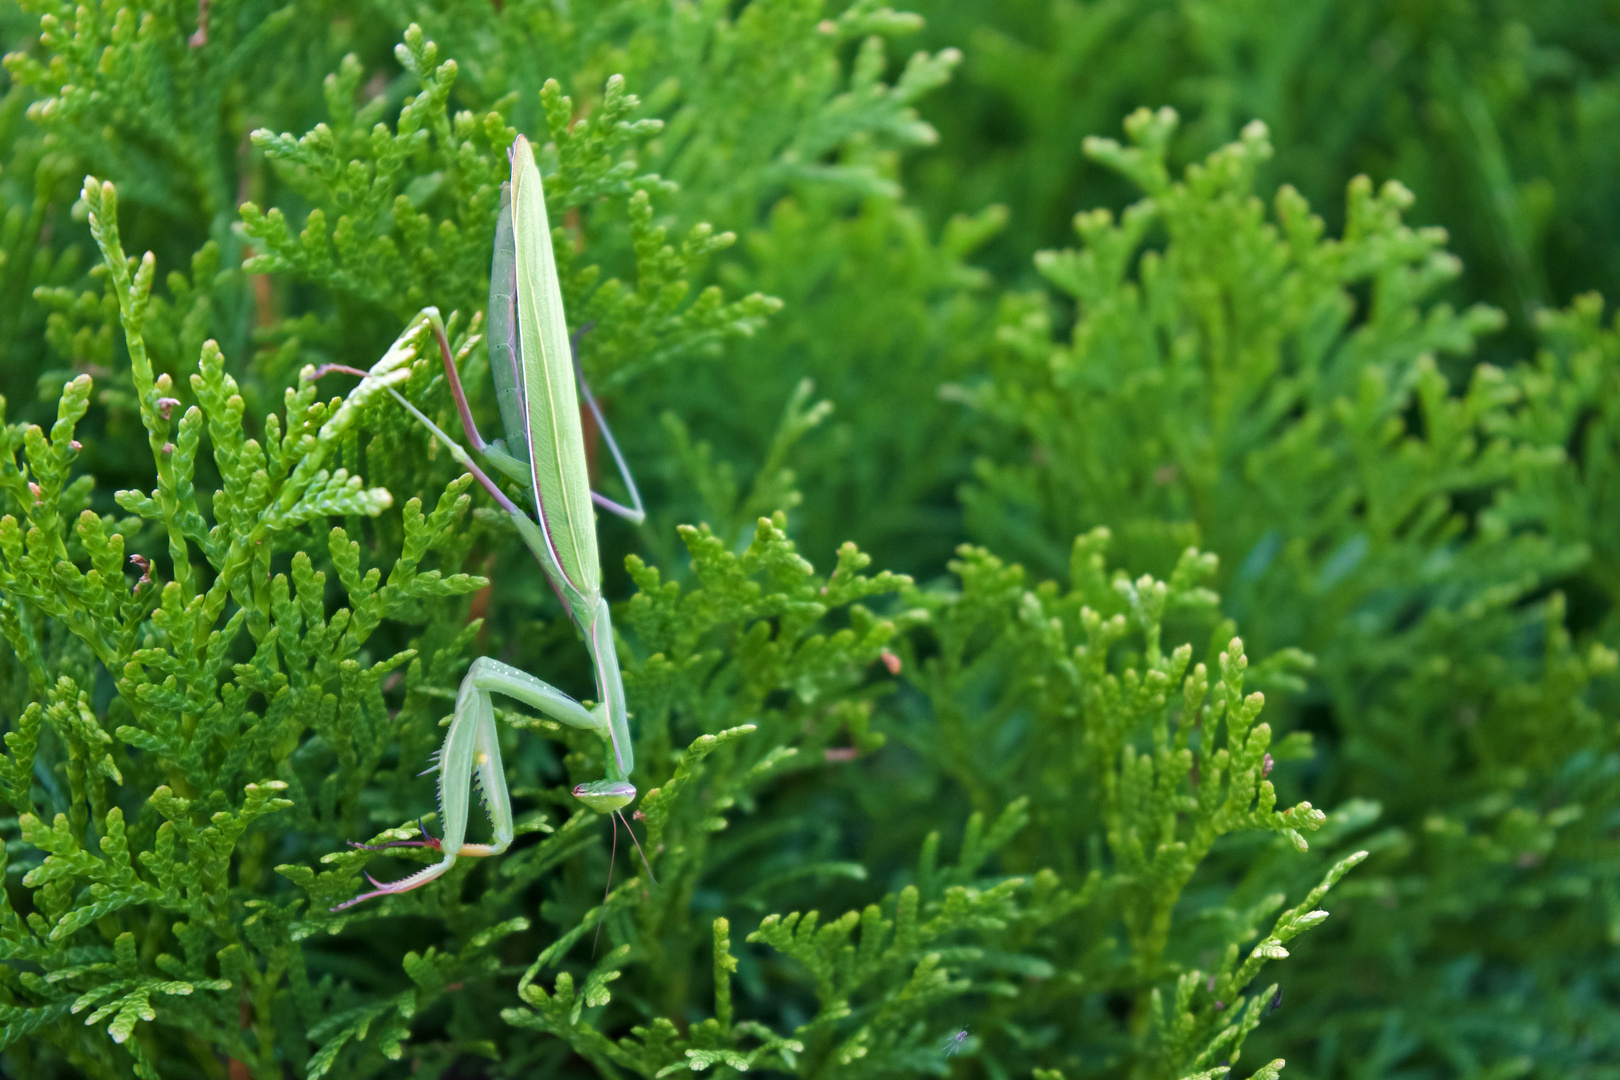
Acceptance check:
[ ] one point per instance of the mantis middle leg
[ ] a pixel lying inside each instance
(503, 350)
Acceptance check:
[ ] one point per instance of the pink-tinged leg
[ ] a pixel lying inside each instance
(428, 840)
(468, 428)
(342, 369)
(422, 876)
(635, 513)
(405, 884)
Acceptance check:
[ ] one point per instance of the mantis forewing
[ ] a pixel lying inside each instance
(546, 389)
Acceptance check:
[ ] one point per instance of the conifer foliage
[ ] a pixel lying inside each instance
(1225, 587)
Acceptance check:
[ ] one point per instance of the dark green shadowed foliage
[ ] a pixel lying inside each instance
(1043, 619)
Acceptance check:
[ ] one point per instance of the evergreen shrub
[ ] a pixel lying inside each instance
(1028, 644)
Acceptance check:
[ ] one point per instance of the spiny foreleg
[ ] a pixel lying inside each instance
(472, 749)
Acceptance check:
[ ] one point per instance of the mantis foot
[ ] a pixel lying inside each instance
(428, 840)
(427, 873)
(345, 369)
(405, 884)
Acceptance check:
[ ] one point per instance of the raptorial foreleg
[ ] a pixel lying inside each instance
(472, 747)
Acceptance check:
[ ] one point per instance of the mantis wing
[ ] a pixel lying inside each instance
(503, 334)
(546, 375)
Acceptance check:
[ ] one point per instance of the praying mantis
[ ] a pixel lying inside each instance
(535, 377)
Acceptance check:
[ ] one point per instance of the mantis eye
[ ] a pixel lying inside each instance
(605, 796)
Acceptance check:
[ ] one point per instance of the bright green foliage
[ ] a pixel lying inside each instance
(216, 676)
(1044, 825)
(1491, 112)
(1249, 362)
(798, 108)
(960, 931)
(1135, 771)
(381, 249)
(135, 90)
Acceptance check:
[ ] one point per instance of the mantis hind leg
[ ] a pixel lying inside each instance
(635, 513)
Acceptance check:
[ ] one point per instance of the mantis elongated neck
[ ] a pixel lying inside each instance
(598, 627)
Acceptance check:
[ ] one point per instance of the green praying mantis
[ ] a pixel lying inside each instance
(531, 359)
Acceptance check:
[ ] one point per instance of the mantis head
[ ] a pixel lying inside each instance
(605, 796)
